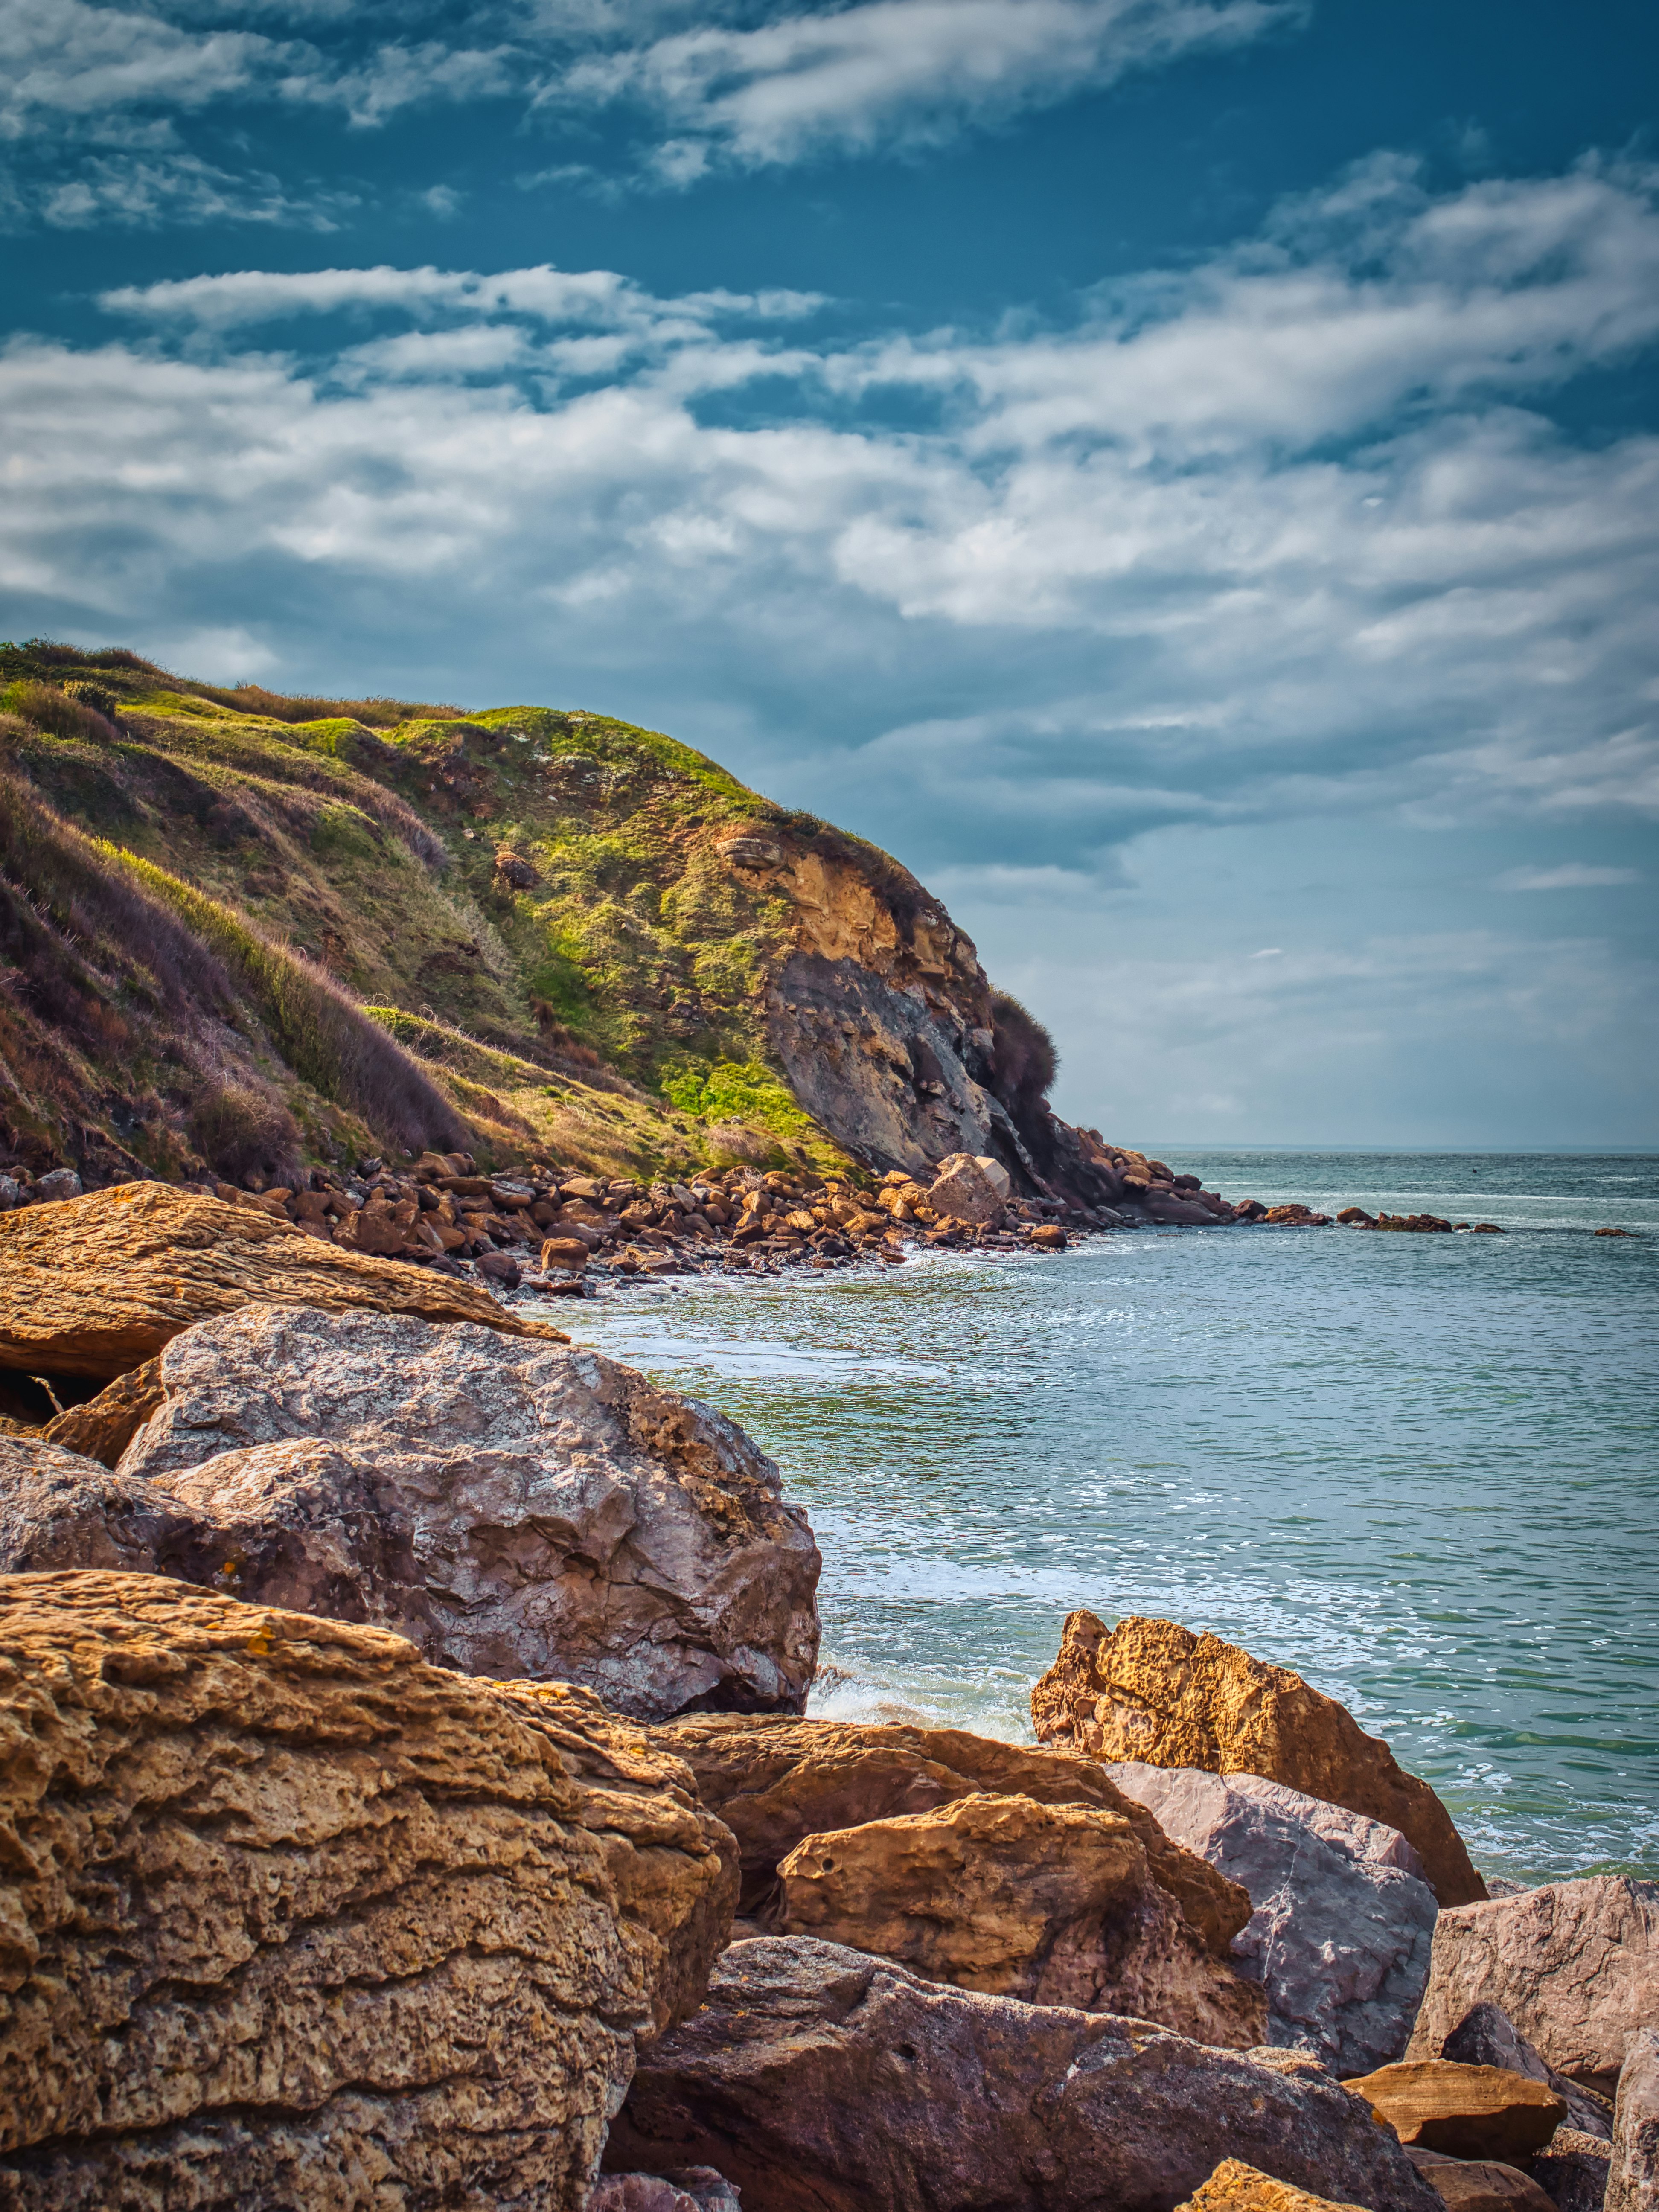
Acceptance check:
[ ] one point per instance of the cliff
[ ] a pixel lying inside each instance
(244, 931)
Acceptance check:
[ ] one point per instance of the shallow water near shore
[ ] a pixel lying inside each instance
(1420, 1469)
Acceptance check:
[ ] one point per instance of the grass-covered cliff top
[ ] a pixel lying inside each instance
(240, 925)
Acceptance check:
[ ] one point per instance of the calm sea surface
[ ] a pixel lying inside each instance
(1421, 1470)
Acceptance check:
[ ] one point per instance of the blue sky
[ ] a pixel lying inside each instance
(1181, 473)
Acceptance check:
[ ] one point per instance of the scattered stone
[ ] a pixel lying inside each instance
(56, 1185)
(1054, 1903)
(293, 1919)
(1235, 2187)
(811, 2060)
(98, 1285)
(1633, 2173)
(968, 1187)
(519, 1509)
(1152, 1692)
(1574, 1964)
(1343, 1922)
(1480, 2184)
(1467, 2111)
(1571, 2170)
(500, 1268)
(1486, 2037)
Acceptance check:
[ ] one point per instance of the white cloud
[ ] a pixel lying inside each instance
(1570, 875)
(144, 190)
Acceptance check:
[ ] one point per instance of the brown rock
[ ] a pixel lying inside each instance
(1154, 1692)
(1487, 2037)
(966, 1188)
(564, 1252)
(1048, 1237)
(98, 1285)
(1235, 2187)
(60, 1510)
(1633, 2173)
(1574, 1964)
(1571, 2170)
(820, 2077)
(1480, 2184)
(1468, 2111)
(103, 1427)
(1054, 1903)
(294, 1919)
(776, 1780)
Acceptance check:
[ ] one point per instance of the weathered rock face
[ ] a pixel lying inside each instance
(692, 2189)
(1574, 1964)
(1343, 1922)
(1054, 1903)
(1468, 2111)
(818, 2076)
(294, 1920)
(1486, 2037)
(1633, 2172)
(1571, 2170)
(1154, 1691)
(1235, 2187)
(516, 1509)
(98, 1285)
(776, 1780)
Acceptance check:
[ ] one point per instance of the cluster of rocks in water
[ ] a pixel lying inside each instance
(406, 1800)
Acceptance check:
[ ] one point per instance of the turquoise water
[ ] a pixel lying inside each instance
(1421, 1470)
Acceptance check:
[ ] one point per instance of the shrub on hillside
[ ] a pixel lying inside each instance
(62, 713)
(238, 1129)
(1026, 1061)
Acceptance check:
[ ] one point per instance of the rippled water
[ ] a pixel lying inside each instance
(1421, 1470)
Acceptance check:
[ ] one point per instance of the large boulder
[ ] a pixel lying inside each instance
(1574, 1964)
(1154, 1691)
(292, 1919)
(1467, 2111)
(516, 1509)
(1487, 2037)
(817, 2075)
(1633, 2170)
(776, 1780)
(969, 1187)
(1343, 1922)
(98, 1285)
(1056, 1904)
(1235, 2187)
(1480, 2184)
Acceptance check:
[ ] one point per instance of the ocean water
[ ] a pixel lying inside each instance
(1420, 1470)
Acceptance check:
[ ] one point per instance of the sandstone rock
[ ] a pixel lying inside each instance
(293, 1919)
(776, 1780)
(1047, 1237)
(1574, 1964)
(517, 1509)
(1054, 1903)
(967, 1188)
(104, 1426)
(1468, 2111)
(98, 1285)
(1343, 1922)
(1633, 2172)
(565, 1252)
(1480, 2184)
(1486, 2037)
(1152, 1692)
(1235, 2187)
(817, 2075)
(1571, 2170)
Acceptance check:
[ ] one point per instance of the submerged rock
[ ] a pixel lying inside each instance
(1574, 1964)
(1343, 1922)
(1054, 1903)
(293, 1918)
(816, 2075)
(1150, 1691)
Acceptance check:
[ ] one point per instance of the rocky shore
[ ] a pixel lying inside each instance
(408, 1800)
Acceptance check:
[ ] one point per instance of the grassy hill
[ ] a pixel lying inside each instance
(242, 930)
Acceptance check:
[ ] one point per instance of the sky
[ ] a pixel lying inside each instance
(1183, 474)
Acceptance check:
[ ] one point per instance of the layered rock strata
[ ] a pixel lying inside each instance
(1467, 2111)
(293, 1918)
(515, 1508)
(1235, 2187)
(1342, 1925)
(818, 2076)
(1154, 1691)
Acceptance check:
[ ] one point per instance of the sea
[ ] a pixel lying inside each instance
(1421, 1470)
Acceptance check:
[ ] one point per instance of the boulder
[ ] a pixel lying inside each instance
(776, 1780)
(1633, 2170)
(104, 1426)
(1235, 2187)
(1571, 2170)
(1340, 1934)
(1486, 2037)
(292, 1919)
(1056, 1904)
(691, 2189)
(98, 1285)
(819, 2075)
(1480, 2184)
(1467, 2111)
(1154, 1691)
(966, 1188)
(1574, 1964)
(518, 1509)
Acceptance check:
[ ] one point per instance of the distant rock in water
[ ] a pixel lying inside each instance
(1152, 1691)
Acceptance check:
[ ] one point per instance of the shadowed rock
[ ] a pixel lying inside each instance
(1467, 2111)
